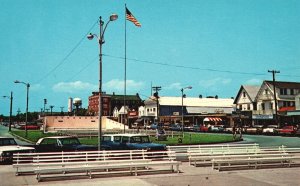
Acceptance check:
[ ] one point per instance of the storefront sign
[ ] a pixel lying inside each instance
(262, 116)
(175, 113)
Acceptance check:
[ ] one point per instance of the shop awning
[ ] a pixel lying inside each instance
(212, 119)
(283, 109)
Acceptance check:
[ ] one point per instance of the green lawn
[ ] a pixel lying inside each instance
(189, 138)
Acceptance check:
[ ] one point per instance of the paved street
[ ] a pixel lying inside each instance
(190, 176)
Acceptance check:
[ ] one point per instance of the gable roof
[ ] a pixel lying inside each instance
(283, 84)
(251, 91)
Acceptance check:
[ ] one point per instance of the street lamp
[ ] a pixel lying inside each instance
(101, 41)
(10, 109)
(27, 85)
(182, 95)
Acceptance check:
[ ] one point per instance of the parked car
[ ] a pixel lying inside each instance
(62, 143)
(204, 128)
(228, 129)
(8, 146)
(270, 129)
(298, 132)
(29, 127)
(255, 129)
(196, 128)
(188, 128)
(287, 130)
(216, 128)
(175, 127)
(129, 142)
(154, 126)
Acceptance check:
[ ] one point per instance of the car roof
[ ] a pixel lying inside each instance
(6, 137)
(58, 137)
(128, 135)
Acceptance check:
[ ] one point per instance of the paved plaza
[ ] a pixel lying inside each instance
(189, 176)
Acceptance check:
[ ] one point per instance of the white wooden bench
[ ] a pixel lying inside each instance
(113, 164)
(254, 160)
(205, 155)
(27, 162)
(182, 150)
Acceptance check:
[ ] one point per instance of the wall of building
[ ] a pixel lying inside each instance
(54, 123)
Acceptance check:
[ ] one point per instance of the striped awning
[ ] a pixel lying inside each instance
(212, 119)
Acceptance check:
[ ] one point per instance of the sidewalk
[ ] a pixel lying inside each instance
(190, 176)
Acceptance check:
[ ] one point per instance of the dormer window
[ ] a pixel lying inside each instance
(244, 94)
(266, 91)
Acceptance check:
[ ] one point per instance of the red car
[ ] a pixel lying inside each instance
(287, 130)
(30, 127)
(204, 128)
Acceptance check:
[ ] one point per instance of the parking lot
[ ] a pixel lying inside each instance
(190, 175)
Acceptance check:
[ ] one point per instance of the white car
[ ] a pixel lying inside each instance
(8, 146)
(270, 129)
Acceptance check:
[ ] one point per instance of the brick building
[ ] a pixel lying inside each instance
(112, 101)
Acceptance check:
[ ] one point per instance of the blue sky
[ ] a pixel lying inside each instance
(213, 45)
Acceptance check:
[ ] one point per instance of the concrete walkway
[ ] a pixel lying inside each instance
(190, 176)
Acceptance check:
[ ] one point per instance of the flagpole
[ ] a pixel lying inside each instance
(125, 69)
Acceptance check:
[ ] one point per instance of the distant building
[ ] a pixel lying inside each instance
(261, 108)
(245, 102)
(194, 109)
(112, 103)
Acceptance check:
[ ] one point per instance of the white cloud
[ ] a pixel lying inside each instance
(71, 87)
(36, 87)
(173, 86)
(118, 85)
(214, 82)
(254, 82)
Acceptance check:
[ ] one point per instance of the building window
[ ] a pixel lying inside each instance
(266, 91)
(244, 94)
(154, 109)
(248, 106)
(292, 91)
(271, 106)
(262, 106)
(283, 91)
(240, 107)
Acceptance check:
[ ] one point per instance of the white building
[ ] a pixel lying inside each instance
(194, 109)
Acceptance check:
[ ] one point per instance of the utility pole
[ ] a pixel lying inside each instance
(275, 98)
(51, 107)
(18, 115)
(156, 89)
(45, 103)
(10, 109)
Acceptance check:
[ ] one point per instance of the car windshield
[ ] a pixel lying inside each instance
(139, 139)
(7, 141)
(69, 141)
(106, 138)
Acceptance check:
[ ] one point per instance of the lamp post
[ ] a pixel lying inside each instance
(101, 41)
(27, 85)
(10, 109)
(182, 96)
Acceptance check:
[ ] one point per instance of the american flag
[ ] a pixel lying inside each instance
(131, 18)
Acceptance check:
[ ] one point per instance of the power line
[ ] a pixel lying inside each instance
(186, 67)
(67, 56)
(82, 69)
